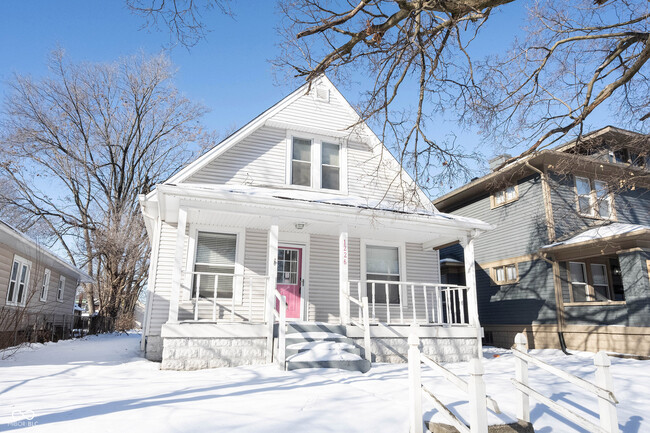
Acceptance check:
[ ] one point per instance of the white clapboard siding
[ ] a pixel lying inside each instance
(258, 159)
(324, 279)
(163, 280)
(308, 112)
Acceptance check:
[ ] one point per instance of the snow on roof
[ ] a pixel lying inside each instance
(333, 199)
(601, 232)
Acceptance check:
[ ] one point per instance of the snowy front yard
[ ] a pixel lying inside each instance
(101, 384)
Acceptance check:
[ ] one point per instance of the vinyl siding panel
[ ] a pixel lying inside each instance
(520, 225)
(324, 279)
(259, 159)
(39, 263)
(163, 278)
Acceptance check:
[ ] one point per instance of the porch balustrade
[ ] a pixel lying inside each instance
(403, 302)
(226, 283)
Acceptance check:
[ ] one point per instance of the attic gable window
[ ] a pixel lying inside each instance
(504, 196)
(301, 162)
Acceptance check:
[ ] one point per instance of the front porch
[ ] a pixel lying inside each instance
(373, 272)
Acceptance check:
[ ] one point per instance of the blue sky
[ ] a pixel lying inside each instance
(229, 72)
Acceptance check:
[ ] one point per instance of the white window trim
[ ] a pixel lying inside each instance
(316, 147)
(401, 251)
(60, 290)
(191, 255)
(21, 262)
(45, 285)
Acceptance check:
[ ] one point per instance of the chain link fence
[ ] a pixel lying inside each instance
(18, 326)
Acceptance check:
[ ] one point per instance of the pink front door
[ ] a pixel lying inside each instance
(290, 278)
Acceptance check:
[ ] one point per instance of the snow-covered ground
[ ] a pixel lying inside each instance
(101, 384)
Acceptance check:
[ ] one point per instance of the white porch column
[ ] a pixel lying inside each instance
(271, 272)
(344, 303)
(177, 271)
(472, 296)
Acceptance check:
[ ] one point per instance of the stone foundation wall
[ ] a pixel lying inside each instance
(394, 350)
(199, 353)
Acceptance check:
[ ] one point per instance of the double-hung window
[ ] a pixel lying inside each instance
(301, 162)
(316, 163)
(45, 286)
(593, 201)
(578, 275)
(61, 289)
(585, 202)
(18, 282)
(382, 263)
(591, 282)
(330, 166)
(214, 265)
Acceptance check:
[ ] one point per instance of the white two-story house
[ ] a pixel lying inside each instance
(299, 238)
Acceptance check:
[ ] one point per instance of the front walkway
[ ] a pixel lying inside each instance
(102, 383)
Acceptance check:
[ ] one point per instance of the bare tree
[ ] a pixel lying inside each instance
(185, 19)
(574, 58)
(77, 149)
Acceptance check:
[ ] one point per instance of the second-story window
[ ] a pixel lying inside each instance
(594, 199)
(504, 196)
(301, 162)
(330, 166)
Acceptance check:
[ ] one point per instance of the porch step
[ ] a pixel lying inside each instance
(298, 337)
(332, 346)
(322, 345)
(295, 327)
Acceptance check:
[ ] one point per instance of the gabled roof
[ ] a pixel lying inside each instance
(361, 130)
(21, 237)
(526, 166)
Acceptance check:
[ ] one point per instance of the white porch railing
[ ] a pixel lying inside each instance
(281, 317)
(211, 295)
(603, 389)
(443, 304)
(364, 320)
(479, 401)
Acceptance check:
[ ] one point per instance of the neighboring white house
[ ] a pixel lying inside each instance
(303, 204)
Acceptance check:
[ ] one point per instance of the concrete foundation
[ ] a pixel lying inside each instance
(200, 353)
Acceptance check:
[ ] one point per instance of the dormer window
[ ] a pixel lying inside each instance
(301, 162)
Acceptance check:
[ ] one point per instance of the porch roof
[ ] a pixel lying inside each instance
(324, 212)
(603, 239)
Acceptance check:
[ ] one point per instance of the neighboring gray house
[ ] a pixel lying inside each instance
(568, 262)
(37, 288)
(304, 208)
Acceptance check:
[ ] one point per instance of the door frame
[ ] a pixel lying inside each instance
(298, 240)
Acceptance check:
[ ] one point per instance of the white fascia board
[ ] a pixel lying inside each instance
(277, 206)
